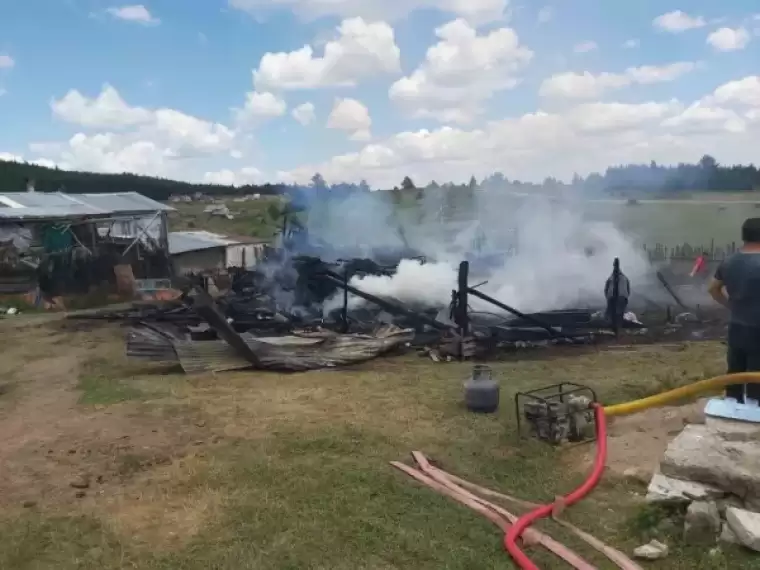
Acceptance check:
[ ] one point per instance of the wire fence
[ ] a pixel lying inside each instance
(686, 251)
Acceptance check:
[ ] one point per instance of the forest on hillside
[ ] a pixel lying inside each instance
(631, 180)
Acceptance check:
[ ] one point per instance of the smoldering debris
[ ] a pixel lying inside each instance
(354, 269)
(286, 318)
(289, 353)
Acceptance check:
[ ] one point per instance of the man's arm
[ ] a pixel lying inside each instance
(716, 288)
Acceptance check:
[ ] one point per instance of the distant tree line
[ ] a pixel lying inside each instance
(630, 180)
(14, 177)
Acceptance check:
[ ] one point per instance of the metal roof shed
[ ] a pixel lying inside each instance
(25, 206)
(127, 215)
(202, 251)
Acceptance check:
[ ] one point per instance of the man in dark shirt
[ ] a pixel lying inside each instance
(736, 285)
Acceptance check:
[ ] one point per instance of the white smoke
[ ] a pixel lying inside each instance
(562, 259)
(552, 254)
(413, 283)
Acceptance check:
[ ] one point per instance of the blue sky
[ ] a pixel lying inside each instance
(504, 107)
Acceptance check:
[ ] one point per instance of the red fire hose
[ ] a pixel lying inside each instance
(514, 532)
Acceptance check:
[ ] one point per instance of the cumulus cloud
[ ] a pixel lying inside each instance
(241, 177)
(583, 138)
(107, 110)
(677, 21)
(260, 106)
(631, 44)
(136, 139)
(745, 91)
(6, 61)
(361, 50)
(475, 11)
(304, 113)
(461, 72)
(351, 116)
(134, 13)
(587, 85)
(729, 39)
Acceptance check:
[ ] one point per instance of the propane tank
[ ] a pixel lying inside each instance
(481, 391)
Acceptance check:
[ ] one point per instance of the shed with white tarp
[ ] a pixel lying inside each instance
(206, 252)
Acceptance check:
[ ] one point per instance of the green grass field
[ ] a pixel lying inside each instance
(254, 218)
(695, 220)
(250, 470)
(676, 223)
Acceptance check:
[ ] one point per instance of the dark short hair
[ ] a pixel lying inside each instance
(751, 230)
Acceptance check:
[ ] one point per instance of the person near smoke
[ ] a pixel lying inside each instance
(615, 313)
(700, 265)
(736, 286)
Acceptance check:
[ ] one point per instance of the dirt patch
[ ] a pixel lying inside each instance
(637, 443)
(55, 451)
(162, 508)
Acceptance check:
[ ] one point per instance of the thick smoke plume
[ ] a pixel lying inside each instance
(536, 253)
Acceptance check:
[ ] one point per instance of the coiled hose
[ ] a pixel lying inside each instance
(600, 415)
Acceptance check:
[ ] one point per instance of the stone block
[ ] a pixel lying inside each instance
(702, 523)
(663, 489)
(745, 526)
(705, 456)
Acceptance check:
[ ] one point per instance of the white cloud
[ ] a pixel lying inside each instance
(136, 139)
(304, 113)
(585, 47)
(744, 91)
(699, 117)
(361, 50)
(729, 39)
(260, 106)
(631, 44)
(246, 175)
(6, 61)
(585, 138)
(476, 11)
(461, 72)
(351, 116)
(586, 85)
(134, 13)
(107, 110)
(678, 21)
(186, 135)
(10, 157)
(545, 14)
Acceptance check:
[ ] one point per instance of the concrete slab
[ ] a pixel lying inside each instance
(745, 526)
(711, 457)
(663, 489)
(732, 430)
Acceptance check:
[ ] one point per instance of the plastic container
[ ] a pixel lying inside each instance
(481, 391)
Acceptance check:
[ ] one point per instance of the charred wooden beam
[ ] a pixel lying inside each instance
(206, 308)
(670, 291)
(537, 322)
(460, 316)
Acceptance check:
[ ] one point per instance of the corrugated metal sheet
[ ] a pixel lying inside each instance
(51, 205)
(123, 202)
(182, 242)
